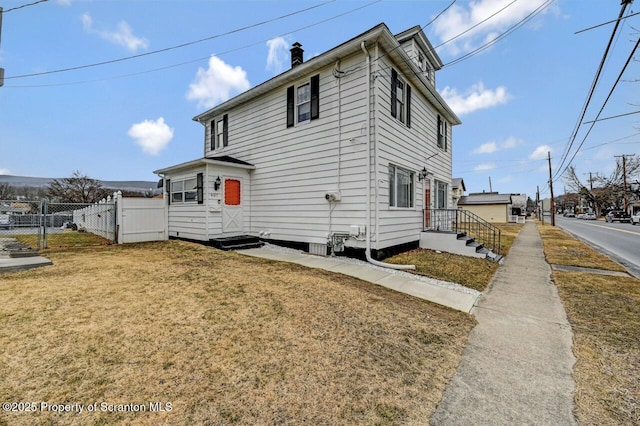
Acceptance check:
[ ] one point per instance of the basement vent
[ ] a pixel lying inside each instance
(318, 249)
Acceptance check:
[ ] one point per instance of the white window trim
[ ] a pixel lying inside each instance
(219, 138)
(412, 189)
(401, 101)
(436, 200)
(299, 104)
(192, 198)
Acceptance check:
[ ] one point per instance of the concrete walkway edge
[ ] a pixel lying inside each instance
(444, 293)
(517, 367)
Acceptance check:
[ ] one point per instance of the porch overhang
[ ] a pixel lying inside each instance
(225, 161)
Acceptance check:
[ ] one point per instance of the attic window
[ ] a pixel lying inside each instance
(303, 102)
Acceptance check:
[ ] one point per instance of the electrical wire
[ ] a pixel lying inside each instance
(23, 6)
(202, 58)
(166, 49)
(508, 32)
(593, 123)
(574, 133)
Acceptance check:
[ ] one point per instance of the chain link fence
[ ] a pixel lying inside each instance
(40, 224)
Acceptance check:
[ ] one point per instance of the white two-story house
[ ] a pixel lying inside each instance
(346, 149)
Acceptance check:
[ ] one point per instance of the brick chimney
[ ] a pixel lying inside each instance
(296, 54)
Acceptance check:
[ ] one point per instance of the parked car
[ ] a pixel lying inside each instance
(6, 221)
(635, 218)
(569, 214)
(589, 216)
(617, 216)
(580, 216)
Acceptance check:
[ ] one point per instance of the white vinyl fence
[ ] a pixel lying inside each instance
(135, 219)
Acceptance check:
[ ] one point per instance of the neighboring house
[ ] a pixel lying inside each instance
(329, 154)
(490, 206)
(457, 190)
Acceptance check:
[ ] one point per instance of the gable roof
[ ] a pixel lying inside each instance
(424, 43)
(485, 198)
(458, 183)
(378, 34)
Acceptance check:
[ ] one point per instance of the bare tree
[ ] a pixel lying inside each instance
(7, 192)
(78, 188)
(605, 192)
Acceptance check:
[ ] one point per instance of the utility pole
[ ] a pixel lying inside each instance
(1, 69)
(624, 179)
(538, 209)
(553, 207)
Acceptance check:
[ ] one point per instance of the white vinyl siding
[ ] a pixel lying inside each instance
(410, 149)
(296, 167)
(186, 219)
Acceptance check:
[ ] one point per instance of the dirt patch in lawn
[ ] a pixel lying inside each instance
(223, 338)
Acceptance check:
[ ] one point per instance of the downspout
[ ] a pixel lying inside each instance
(367, 251)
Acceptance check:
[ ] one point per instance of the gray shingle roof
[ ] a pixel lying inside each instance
(485, 198)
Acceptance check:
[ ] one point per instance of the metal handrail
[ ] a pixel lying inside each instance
(464, 221)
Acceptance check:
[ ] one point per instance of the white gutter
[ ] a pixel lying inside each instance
(367, 251)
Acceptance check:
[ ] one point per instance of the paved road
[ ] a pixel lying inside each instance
(618, 240)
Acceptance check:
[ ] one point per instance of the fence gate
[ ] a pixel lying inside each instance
(41, 224)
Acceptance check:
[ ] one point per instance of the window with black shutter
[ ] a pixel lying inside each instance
(303, 102)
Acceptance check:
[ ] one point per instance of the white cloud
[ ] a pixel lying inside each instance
(217, 83)
(500, 15)
(484, 167)
(491, 147)
(5, 171)
(486, 148)
(278, 55)
(540, 153)
(123, 36)
(477, 97)
(152, 136)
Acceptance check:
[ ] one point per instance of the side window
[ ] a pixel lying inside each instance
(441, 195)
(401, 187)
(400, 99)
(187, 190)
(442, 133)
(303, 102)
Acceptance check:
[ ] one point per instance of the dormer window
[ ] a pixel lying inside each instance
(422, 63)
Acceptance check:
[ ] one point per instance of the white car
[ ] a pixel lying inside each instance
(589, 216)
(635, 218)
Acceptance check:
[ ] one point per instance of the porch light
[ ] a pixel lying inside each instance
(422, 174)
(217, 183)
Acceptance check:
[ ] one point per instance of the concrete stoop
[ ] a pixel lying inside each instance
(456, 243)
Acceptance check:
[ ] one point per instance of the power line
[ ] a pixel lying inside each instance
(23, 6)
(166, 49)
(485, 46)
(614, 116)
(206, 57)
(594, 84)
(593, 123)
(607, 23)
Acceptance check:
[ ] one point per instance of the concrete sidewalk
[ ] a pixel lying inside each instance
(517, 367)
(444, 293)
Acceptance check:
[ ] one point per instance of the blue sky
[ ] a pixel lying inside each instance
(517, 99)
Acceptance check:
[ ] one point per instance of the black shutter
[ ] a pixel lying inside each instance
(168, 189)
(394, 97)
(212, 138)
(200, 188)
(290, 106)
(225, 130)
(445, 135)
(439, 135)
(408, 106)
(315, 96)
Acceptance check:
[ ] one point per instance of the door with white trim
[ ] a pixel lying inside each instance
(232, 210)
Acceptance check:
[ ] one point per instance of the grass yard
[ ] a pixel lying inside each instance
(63, 239)
(604, 312)
(226, 339)
(467, 271)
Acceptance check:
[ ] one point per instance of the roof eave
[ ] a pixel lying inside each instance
(201, 162)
